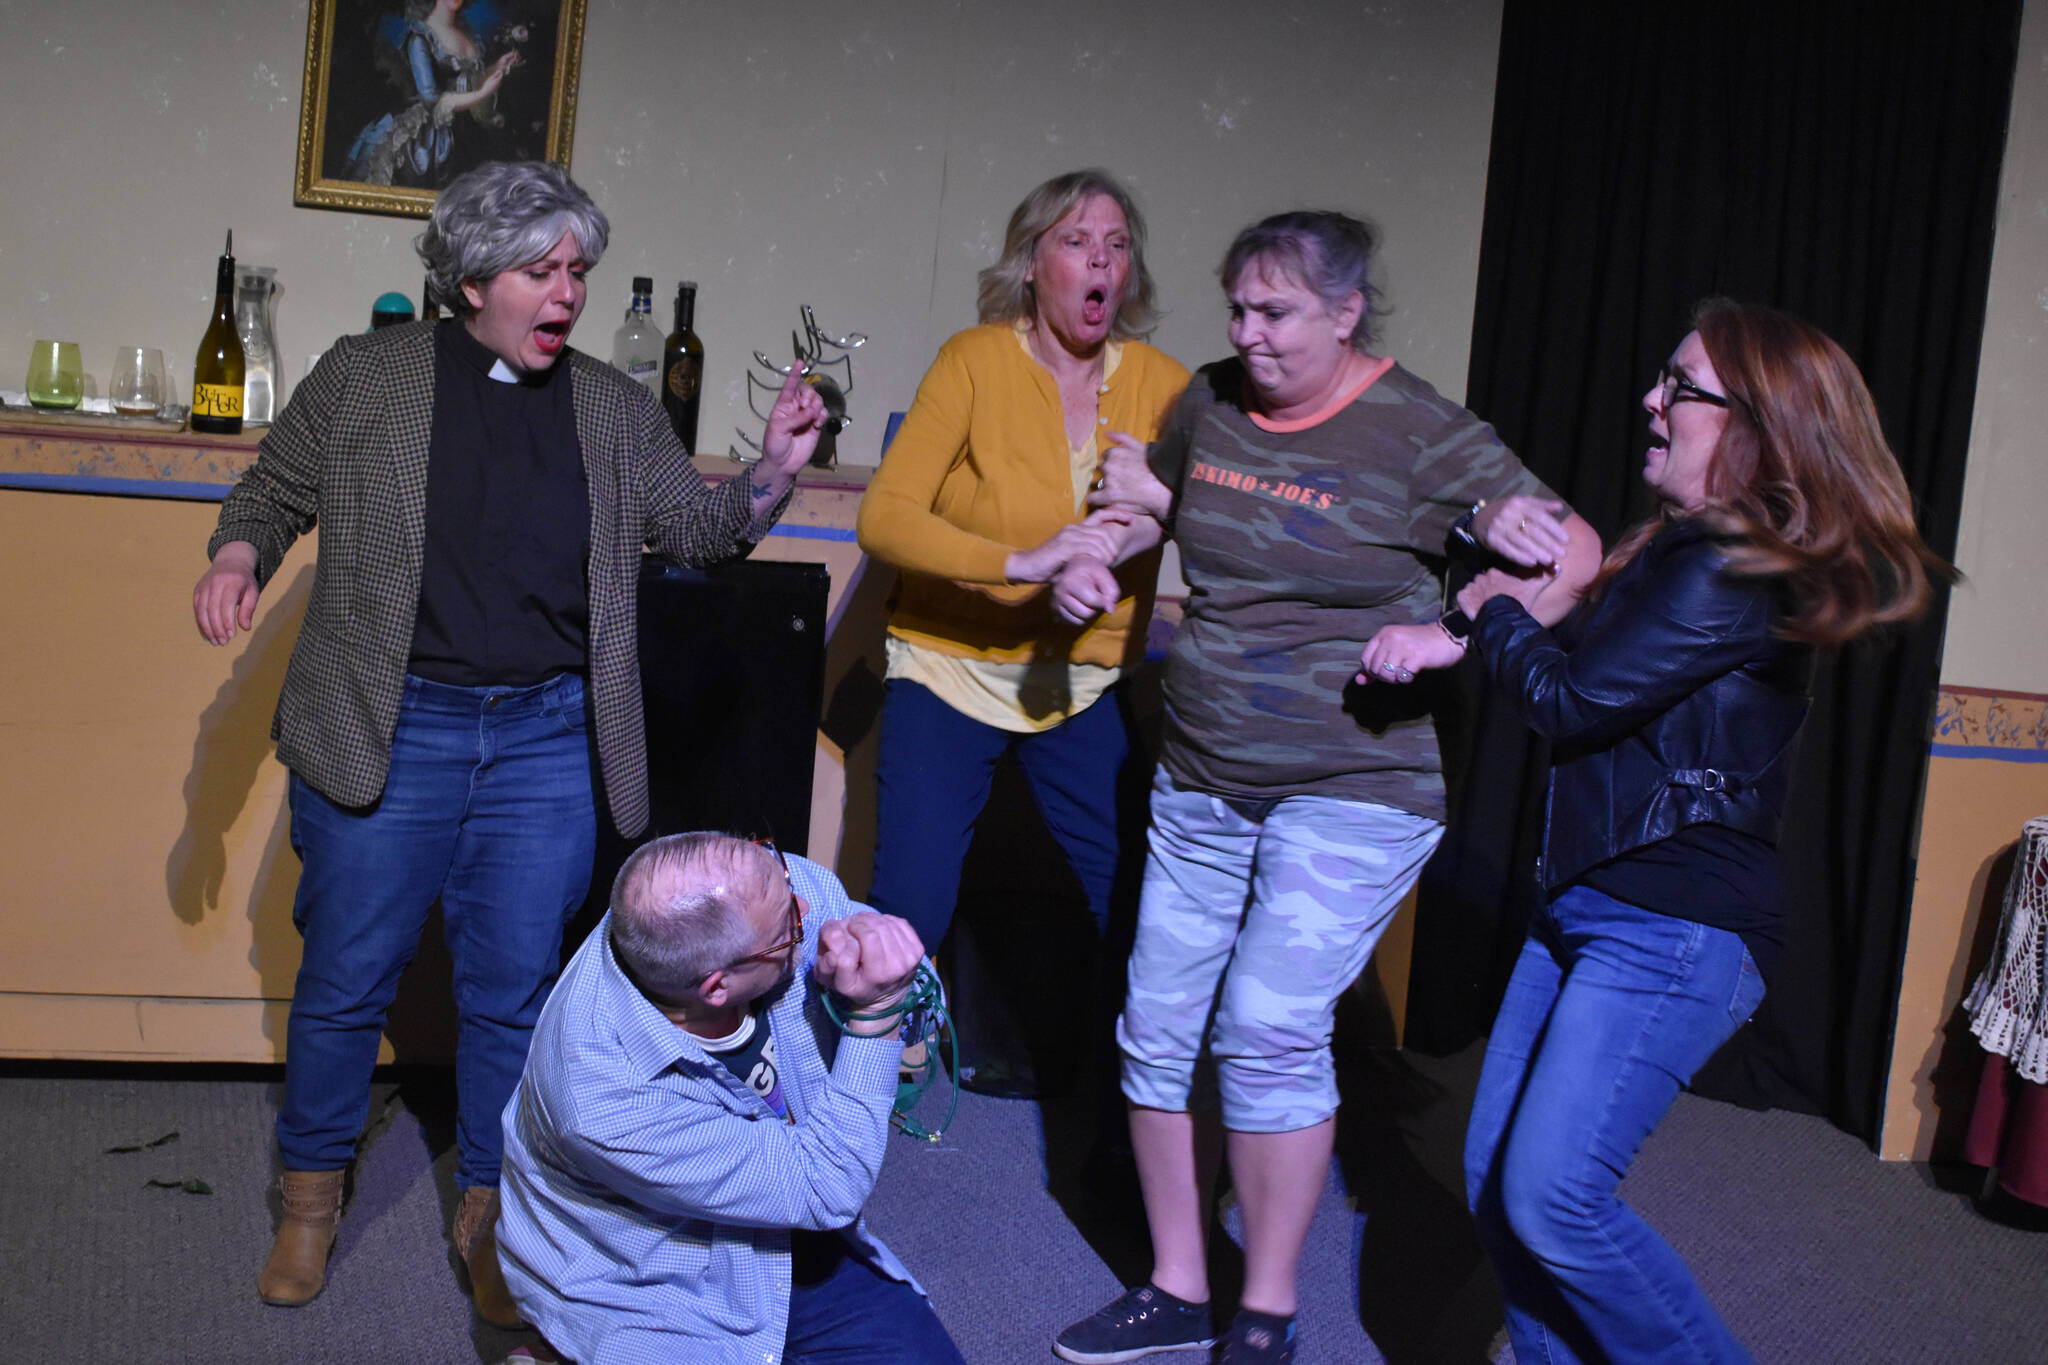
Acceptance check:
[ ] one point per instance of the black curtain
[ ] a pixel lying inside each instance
(1841, 161)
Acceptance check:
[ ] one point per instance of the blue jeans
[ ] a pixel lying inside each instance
(932, 779)
(852, 1314)
(1611, 1009)
(489, 809)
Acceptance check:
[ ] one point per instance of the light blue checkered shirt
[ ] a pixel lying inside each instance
(649, 1194)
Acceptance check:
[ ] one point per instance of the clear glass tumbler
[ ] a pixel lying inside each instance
(137, 386)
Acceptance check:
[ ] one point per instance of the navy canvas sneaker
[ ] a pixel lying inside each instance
(1259, 1339)
(1144, 1321)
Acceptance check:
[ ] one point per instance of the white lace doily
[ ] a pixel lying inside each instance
(2008, 1006)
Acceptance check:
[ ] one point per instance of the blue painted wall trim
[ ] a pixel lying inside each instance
(1988, 751)
(129, 488)
(214, 492)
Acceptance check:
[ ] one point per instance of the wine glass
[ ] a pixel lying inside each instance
(137, 386)
(56, 374)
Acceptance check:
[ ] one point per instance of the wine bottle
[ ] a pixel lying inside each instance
(217, 374)
(637, 346)
(682, 368)
(430, 307)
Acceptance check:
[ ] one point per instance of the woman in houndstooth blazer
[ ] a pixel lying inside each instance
(467, 670)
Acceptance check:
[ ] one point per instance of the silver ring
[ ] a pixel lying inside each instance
(1406, 674)
(1388, 669)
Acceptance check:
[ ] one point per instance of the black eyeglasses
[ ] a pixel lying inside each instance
(796, 913)
(1678, 389)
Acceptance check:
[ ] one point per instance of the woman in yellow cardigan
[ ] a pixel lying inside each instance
(979, 502)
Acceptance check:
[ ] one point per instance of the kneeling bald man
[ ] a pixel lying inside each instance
(688, 1152)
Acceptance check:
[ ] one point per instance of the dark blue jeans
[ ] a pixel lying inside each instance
(489, 809)
(932, 779)
(842, 1312)
(1611, 1009)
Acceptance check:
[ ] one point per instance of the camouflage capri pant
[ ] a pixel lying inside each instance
(1254, 918)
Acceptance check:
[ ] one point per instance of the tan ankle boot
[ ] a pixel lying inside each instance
(296, 1270)
(476, 1245)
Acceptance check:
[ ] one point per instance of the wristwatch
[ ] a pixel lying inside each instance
(1463, 544)
(1456, 624)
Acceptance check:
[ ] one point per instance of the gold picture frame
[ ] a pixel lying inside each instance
(402, 96)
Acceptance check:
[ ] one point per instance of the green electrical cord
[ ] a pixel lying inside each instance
(925, 1020)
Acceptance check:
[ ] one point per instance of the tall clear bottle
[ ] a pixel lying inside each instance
(636, 346)
(217, 373)
(255, 286)
(682, 368)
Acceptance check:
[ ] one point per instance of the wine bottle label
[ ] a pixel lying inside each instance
(216, 400)
(685, 377)
(643, 370)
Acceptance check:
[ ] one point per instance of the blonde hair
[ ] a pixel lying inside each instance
(1006, 296)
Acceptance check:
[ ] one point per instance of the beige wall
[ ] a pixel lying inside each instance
(861, 158)
(1994, 635)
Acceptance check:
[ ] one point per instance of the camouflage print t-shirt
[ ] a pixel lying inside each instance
(1297, 546)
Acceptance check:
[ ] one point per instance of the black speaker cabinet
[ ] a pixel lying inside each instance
(732, 668)
(732, 662)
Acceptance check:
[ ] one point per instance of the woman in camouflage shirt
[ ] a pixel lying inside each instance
(1311, 487)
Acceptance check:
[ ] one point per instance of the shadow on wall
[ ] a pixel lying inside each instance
(228, 755)
(1953, 1079)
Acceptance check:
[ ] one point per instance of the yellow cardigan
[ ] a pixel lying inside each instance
(981, 468)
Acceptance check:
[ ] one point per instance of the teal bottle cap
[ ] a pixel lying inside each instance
(390, 308)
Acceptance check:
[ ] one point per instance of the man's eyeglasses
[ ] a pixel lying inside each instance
(796, 913)
(1678, 389)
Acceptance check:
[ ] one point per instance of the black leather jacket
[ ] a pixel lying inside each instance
(1673, 704)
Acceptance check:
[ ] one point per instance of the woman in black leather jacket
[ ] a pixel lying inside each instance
(1673, 696)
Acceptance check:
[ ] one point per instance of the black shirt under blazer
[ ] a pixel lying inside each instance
(1674, 705)
(349, 452)
(503, 594)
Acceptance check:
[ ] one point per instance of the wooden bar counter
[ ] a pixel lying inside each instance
(145, 853)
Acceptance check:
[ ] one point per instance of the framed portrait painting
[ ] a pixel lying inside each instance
(402, 96)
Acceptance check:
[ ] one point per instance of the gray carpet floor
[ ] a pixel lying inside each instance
(1814, 1250)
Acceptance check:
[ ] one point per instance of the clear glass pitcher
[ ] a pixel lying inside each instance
(255, 287)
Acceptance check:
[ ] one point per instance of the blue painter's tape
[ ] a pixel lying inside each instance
(814, 532)
(127, 488)
(1991, 751)
(214, 492)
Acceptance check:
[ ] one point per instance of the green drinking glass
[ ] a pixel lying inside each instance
(56, 374)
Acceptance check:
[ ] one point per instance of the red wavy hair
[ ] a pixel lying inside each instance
(1803, 485)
